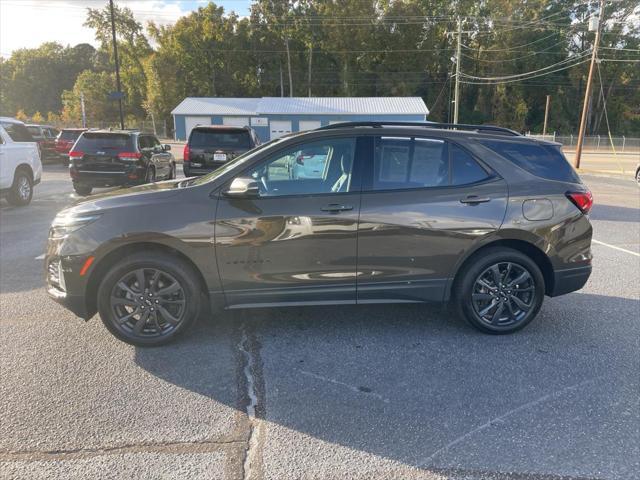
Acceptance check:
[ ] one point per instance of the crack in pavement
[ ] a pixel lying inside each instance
(253, 401)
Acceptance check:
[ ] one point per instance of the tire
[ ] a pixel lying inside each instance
(505, 307)
(172, 173)
(21, 191)
(164, 317)
(186, 171)
(150, 177)
(638, 177)
(82, 190)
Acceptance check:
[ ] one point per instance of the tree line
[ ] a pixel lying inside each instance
(513, 54)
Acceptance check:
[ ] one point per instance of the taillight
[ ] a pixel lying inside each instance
(130, 155)
(76, 155)
(185, 153)
(582, 200)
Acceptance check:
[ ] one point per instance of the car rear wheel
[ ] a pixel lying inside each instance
(82, 190)
(172, 173)
(500, 291)
(638, 176)
(149, 299)
(21, 191)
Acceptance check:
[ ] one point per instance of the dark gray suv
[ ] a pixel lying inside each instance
(350, 213)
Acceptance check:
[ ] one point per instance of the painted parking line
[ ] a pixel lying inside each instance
(616, 248)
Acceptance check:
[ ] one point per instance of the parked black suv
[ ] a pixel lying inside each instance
(480, 216)
(107, 158)
(211, 146)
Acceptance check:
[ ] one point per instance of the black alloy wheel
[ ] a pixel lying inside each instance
(500, 291)
(503, 294)
(149, 299)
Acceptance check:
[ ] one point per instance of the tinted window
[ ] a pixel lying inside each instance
(410, 163)
(69, 134)
(17, 132)
(34, 131)
(104, 142)
(464, 169)
(53, 132)
(542, 160)
(318, 167)
(214, 138)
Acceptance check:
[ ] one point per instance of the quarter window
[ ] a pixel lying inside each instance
(464, 169)
(312, 168)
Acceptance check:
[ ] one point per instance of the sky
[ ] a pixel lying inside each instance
(28, 23)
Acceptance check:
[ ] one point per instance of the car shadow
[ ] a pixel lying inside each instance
(413, 384)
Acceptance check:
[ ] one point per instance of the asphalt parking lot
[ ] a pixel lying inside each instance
(368, 392)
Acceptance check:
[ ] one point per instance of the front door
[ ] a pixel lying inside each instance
(295, 243)
(425, 201)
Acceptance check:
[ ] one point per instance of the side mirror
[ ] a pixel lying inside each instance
(243, 187)
(166, 147)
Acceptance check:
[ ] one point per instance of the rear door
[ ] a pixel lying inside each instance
(425, 201)
(295, 242)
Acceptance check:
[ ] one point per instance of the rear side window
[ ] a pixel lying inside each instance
(213, 138)
(34, 131)
(17, 132)
(69, 135)
(416, 162)
(104, 142)
(544, 161)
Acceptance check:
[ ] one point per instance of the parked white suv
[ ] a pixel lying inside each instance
(20, 166)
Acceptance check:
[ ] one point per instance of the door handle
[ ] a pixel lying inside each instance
(336, 207)
(474, 200)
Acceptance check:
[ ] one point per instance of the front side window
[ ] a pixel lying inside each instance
(324, 166)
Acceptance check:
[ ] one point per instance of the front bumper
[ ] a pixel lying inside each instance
(569, 280)
(65, 286)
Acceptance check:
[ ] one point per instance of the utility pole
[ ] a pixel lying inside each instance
(115, 56)
(587, 92)
(456, 97)
(84, 115)
(546, 115)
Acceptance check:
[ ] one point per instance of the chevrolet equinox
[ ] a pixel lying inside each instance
(479, 216)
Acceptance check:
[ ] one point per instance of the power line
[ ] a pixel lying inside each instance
(585, 60)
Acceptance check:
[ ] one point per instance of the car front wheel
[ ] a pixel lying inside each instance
(500, 291)
(21, 191)
(149, 299)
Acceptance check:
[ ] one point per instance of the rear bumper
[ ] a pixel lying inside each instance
(109, 179)
(190, 171)
(569, 280)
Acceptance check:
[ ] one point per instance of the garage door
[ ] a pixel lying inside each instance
(190, 122)
(279, 128)
(309, 125)
(235, 121)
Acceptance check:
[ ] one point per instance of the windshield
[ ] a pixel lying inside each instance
(215, 138)
(244, 158)
(35, 131)
(94, 142)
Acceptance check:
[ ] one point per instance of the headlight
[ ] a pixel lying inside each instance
(66, 223)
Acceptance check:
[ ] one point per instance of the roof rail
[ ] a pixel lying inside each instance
(443, 126)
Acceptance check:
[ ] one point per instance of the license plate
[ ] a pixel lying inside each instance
(220, 157)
